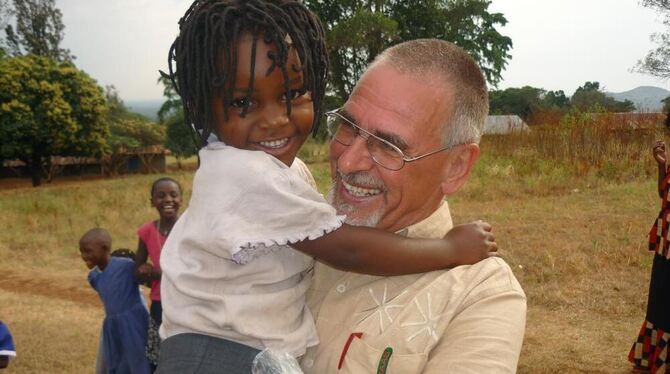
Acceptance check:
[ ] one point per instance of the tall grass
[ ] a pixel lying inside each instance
(582, 150)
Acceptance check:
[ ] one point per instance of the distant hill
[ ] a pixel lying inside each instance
(148, 108)
(645, 98)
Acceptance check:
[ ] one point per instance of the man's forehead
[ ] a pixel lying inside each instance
(396, 102)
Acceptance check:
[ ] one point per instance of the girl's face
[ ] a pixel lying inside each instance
(166, 198)
(94, 254)
(266, 126)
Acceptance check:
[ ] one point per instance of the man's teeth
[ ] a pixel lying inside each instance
(278, 143)
(360, 191)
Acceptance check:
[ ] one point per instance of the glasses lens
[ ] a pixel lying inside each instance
(340, 129)
(385, 154)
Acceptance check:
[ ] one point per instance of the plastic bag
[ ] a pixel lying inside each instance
(269, 361)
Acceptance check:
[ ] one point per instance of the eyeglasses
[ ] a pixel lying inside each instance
(383, 152)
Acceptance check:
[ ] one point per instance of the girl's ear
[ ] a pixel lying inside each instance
(457, 171)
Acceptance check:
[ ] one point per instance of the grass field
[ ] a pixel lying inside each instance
(574, 235)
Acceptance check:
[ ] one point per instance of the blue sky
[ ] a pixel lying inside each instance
(558, 44)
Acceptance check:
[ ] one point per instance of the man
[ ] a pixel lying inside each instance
(407, 137)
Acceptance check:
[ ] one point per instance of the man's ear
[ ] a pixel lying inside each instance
(457, 171)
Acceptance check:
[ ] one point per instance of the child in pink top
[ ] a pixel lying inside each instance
(166, 197)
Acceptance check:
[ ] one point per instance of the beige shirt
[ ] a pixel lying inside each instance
(469, 319)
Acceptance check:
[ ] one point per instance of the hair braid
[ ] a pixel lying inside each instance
(203, 58)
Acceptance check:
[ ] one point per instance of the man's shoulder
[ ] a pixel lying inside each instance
(485, 278)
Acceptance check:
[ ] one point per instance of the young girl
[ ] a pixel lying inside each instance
(650, 352)
(124, 330)
(166, 199)
(253, 73)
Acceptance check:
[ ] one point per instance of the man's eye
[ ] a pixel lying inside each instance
(241, 103)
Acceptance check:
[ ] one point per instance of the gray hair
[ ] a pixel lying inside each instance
(454, 67)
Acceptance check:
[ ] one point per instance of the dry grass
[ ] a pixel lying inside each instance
(575, 236)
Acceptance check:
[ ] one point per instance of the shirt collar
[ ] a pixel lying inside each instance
(434, 226)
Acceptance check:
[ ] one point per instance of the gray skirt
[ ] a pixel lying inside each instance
(202, 354)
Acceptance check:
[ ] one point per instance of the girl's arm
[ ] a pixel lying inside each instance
(376, 252)
(143, 270)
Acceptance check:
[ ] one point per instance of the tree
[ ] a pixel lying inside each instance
(520, 101)
(555, 99)
(49, 108)
(129, 132)
(358, 30)
(657, 61)
(590, 95)
(179, 139)
(172, 105)
(39, 30)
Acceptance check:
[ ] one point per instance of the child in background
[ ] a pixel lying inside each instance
(166, 199)
(124, 330)
(254, 73)
(7, 350)
(99, 362)
(650, 352)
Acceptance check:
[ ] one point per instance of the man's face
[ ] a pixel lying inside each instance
(409, 113)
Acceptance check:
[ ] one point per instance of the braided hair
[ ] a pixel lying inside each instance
(205, 54)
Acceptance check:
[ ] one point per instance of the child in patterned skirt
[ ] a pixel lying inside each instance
(650, 352)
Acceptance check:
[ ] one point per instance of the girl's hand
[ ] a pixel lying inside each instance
(145, 270)
(471, 243)
(659, 152)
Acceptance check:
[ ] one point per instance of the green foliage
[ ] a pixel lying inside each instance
(129, 133)
(590, 95)
(172, 105)
(526, 101)
(129, 130)
(39, 30)
(520, 101)
(179, 138)
(657, 61)
(358, 30)
(49, 108)
(556, 99)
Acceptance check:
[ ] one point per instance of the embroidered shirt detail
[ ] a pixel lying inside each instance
(381, 308)
(428, 324)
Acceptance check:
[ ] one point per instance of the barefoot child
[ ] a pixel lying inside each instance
(166, 199)
(253, 73)
(124, 330)
(650, 352)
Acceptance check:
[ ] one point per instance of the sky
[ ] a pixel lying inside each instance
(557, 44)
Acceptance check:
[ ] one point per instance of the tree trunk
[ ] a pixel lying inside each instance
(35, 169)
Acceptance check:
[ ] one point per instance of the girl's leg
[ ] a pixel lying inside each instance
(201, 354)
(156, 311)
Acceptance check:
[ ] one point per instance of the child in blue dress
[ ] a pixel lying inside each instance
(7, 350)
(238, 262)
(124, 330)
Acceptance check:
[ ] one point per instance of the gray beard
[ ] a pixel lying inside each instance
(372, 220)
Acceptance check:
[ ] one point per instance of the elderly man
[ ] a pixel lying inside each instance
(407, 137)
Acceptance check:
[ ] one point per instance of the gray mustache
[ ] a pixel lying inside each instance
(363, 179)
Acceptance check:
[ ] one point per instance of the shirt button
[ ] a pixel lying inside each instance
(341, 288)
(308, 363)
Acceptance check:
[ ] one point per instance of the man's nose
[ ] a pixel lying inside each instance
(355, 157)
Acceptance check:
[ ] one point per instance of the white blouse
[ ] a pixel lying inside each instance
(228, 270)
